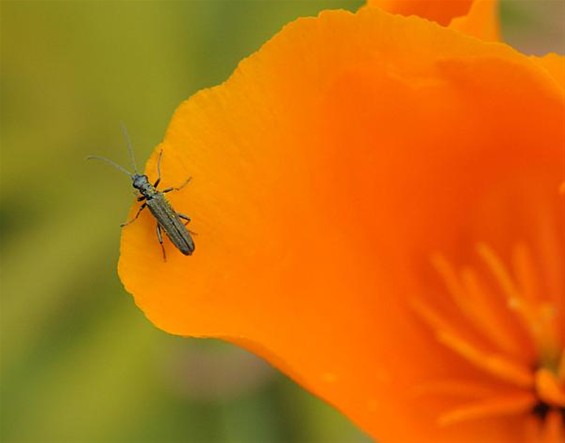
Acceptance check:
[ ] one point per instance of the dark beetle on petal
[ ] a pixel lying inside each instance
(167, 218)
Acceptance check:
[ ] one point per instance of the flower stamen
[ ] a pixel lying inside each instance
(549, 389)
(509, 334)
(477, 305)
(510, 404)
(496, 364)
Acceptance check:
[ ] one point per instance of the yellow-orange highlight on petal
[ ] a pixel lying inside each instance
(555, 65)
(326, 171)
(482, 21)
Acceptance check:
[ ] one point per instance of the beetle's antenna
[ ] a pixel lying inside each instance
(110, 162)
(130, 149)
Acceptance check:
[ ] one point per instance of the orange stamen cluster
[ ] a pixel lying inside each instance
(508, 331)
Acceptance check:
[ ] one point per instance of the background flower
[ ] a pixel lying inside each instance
(474, 17)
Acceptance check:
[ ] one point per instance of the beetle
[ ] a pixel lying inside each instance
(167, 218)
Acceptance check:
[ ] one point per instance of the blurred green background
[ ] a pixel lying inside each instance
(79, 362)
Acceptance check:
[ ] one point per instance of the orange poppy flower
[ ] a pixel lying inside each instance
(378, 214)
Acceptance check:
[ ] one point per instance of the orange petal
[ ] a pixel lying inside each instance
(555, 66)
(478, 18)
(439, 11)
(325, 171)
(482, 21)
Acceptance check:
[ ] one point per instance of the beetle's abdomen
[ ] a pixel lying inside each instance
(170, 222)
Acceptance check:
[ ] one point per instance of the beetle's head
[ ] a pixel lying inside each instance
(140, 182)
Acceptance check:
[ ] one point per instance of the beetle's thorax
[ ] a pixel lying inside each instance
(142, 184)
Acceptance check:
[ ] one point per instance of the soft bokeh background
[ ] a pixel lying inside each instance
(79, 362)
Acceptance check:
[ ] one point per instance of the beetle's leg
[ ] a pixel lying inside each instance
(136, 215)
(184, 217)
(178, 188)
(188, 220)
(141, 198)
(158, 170)
(160, 238)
